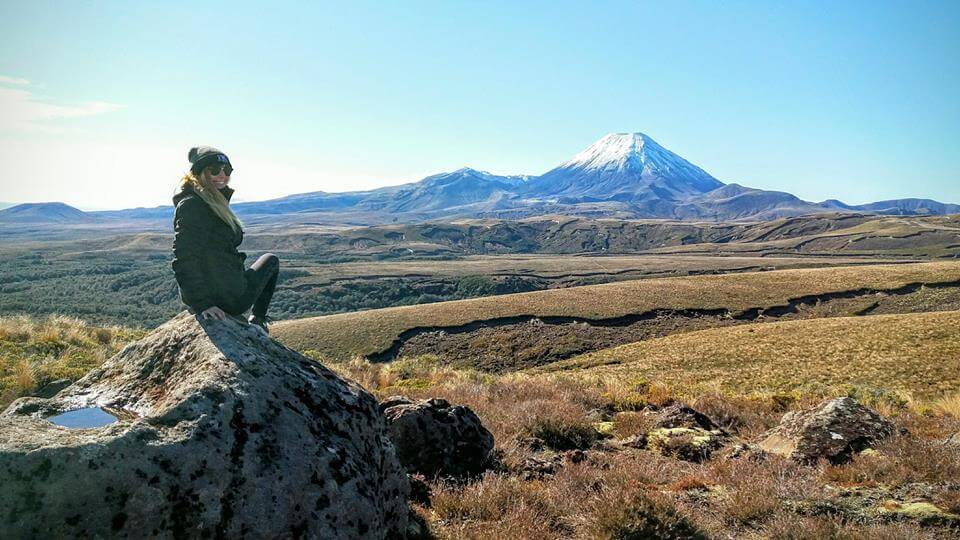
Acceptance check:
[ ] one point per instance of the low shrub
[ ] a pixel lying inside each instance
(637, 516)
(560, 435)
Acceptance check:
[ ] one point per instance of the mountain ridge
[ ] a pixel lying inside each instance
(621, 175)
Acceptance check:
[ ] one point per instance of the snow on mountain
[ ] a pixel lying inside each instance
(622, 175)
(621, 166)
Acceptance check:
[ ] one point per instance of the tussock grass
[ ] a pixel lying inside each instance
(906, 355)
(340, 337)
(949, 405)
(35, 351)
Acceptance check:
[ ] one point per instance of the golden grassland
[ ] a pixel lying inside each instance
(35, 351)
(917, 353)
(339, 337)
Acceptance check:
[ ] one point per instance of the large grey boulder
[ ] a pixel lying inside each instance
(835, 429)
(221, 432)
(435, 438)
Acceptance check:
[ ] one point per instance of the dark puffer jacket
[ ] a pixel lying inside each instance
(208, 267)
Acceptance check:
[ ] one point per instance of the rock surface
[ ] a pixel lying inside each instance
(679, 415)
(880, 503)
(435, 438)
(221, 433)
(685, 433)
(835, 429)
(689, 444)
(954, 440)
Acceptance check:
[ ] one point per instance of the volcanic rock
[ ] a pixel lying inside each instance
(433, 437)
(689, 444)
(679, 415)
(684, 433)
(537, 467)
(954, 440)
(217, 431)
(835, 429)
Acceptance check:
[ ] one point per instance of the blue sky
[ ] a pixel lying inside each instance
(99, 101)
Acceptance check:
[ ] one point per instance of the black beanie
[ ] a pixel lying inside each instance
(201, 156)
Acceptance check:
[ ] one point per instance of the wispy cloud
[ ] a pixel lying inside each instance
(22, 110)
(12, 80)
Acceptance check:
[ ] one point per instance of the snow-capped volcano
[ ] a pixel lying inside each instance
(621, 165)
(622, 175)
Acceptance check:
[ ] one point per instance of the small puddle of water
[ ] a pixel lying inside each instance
(91, 417)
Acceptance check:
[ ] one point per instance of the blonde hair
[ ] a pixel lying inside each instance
(212, 196)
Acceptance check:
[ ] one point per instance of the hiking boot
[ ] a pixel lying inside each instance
(260, 323)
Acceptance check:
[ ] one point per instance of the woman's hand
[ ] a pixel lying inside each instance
(213, 312)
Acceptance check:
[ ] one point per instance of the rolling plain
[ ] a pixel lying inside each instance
(570, 339)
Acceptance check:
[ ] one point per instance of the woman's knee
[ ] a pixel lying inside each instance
(268, 260)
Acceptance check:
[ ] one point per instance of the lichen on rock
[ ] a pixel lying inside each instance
(689, 444)
(923, 512)
(833, 430)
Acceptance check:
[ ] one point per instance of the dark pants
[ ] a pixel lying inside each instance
(261, 280)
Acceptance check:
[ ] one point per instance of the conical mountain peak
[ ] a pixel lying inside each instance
(615, 150)
(624, 165)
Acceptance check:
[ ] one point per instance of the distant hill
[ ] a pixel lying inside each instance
(465, 191)
(49, 212)
(899, 207)
(622, 176)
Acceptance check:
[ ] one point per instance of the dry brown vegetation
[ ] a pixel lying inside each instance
(35, 351)
(606, 491)
(342, 336)
(917, 354)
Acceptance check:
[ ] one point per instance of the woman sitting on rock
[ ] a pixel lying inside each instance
(209, 269)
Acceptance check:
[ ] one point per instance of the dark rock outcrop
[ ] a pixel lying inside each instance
(219, 432)
(834, 430)
(435, 438)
